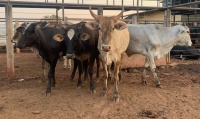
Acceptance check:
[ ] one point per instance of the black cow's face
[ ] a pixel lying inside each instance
(18, 32)
(75, 40)
(28, 36)
(72, 41)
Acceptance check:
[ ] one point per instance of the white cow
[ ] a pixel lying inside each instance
(112, 43)
(154, 41)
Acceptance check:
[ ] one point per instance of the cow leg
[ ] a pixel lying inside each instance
(153, 70)
(91, 66)
(69, 64)
(119, 74)
(74, 70)
(109, 72)
(64, 62)
(98, 67)
(116, 81)
(144, 81)
(44, 68)
(105, 77)
(85, 66)
(80, 67)
(51, 76)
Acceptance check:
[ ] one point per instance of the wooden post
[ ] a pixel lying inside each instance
(167, 23)
(16, 26)
(9, 44)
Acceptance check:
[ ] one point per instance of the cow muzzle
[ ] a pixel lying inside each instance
(70, 56)
(106, 48)
(13, 41)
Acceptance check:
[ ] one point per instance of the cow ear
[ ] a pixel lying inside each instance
(19, 29)
(181, 30)
(91, 25)
(120, 25)
(58, 37)
(84, 36)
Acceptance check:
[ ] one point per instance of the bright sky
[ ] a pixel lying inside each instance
(39, 13)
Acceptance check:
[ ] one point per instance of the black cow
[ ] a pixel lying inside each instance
(82, 45)
(184, 52)
(195, 35)
(42, 39)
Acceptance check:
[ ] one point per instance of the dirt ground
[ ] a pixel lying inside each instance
(25, 99)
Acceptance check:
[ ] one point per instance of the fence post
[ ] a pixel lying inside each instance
(16, 26)
(134, 19)
(100, 11)
(167, 23)
(9, 44)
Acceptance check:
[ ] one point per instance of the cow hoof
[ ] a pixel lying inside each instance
(144, 82)
(159, 86)
(71, 79)
(47, 94)
(64, 67)
(109, 78)
(104, 92)
(93, 91)
(116, 98)
(78, 87)
(69, 68)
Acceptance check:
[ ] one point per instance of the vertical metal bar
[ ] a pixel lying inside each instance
(107, 2)
(15, 27)
(82, 1)
(9, 44)
(100, 11)
(133, 2)
(137, 11)
(57, 13)
(141, 2)
(78, 1)
(122, 9)
(167, 23)
(113, 2)
(63, 11)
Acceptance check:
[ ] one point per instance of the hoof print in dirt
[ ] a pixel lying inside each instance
(1, 107)
(36, 112)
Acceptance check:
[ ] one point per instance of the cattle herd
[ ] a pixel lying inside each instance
(105, 41)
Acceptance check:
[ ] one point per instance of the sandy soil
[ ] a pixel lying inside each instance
(178, 99)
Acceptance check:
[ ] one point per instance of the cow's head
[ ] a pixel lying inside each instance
(28, 36)
(184, 35)
(106, 26)
(73, 38)
(18, 32)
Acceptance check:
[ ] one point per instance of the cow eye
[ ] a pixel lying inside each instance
(99, 28)
(113, 28)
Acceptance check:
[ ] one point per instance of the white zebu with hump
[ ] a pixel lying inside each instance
(112, 43)
(155, 41)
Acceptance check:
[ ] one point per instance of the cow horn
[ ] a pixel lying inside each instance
(120, 14)
(93, 14)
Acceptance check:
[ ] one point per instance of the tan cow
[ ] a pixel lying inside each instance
(112, 43)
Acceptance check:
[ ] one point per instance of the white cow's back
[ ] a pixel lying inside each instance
(156, 38)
